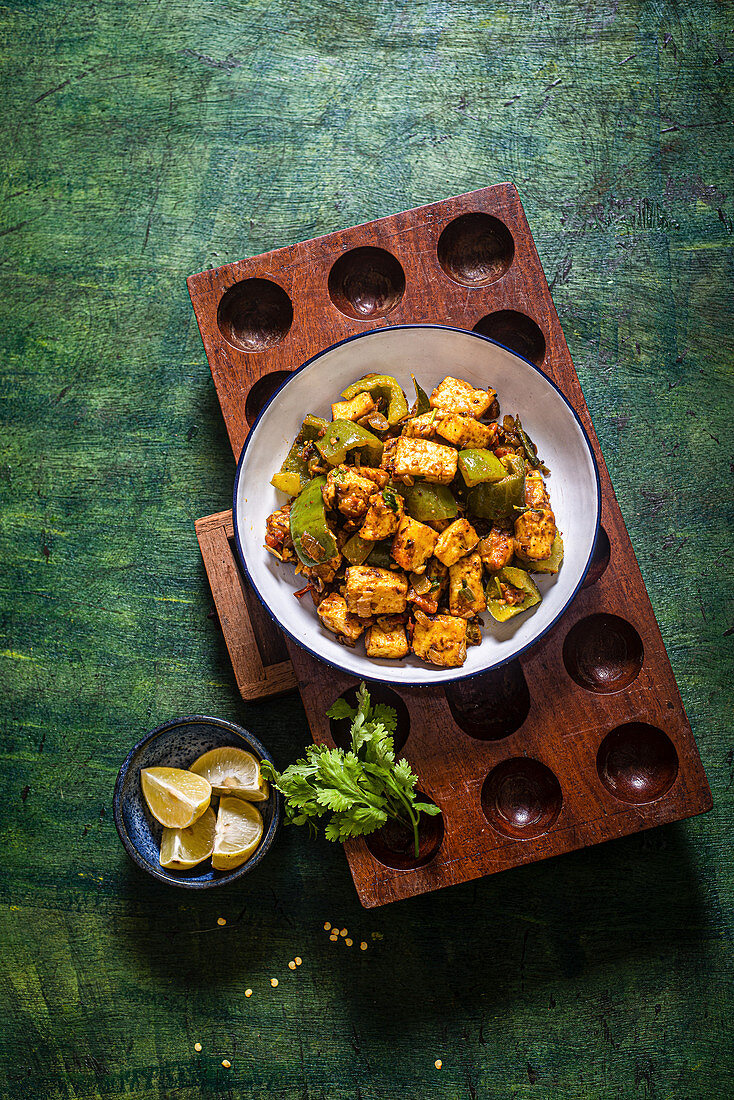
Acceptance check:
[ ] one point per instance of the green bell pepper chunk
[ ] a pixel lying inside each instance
(342, 436)
(500, 500)
(380, 555)
(479, 465)
(518, 578)
(552, 563)
(385, 386)
(313, 539)
(356, 550)
(293, 474)
(427, 502)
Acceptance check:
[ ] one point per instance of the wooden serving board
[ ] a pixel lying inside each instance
(584, 737)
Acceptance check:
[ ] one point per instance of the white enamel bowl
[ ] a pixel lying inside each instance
(430, 352)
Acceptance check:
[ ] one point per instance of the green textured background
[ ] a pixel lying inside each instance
(145, 141)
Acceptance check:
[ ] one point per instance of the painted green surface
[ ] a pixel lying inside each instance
(144, 141)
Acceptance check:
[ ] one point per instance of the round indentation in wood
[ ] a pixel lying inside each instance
(366, 283)
(603, 653)
(261, 393)
(475, 249)
(599, 559)
(521, 798)
(491, 705)
(637, 763)
(379, 693)
(254, 315)
(516, 331)
(394, 844)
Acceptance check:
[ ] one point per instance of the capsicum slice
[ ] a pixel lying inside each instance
(386, 387)
(342, 436)
(294, 474)
(498, 500)
(428, 502)
(356, 550)
(479, 465)
(313, 539)
(513, 581)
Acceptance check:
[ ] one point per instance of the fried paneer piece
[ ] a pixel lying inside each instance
(423, 426)
(496, 549)
(387, 638)
(325, 571)
(388, 456)
(421, 458)
(427, 588)
(372, 591)
(440, 640)
(466, 591)
(336, 617)
(454, 395)
(465, 431)
(536, 494)
(278, 534)
(535, 531)
(358, 407)
(348, 492)
(383, 517)
(380, 477)
(413, 544)
(458, 539)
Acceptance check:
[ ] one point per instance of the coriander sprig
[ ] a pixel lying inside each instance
(362, 787)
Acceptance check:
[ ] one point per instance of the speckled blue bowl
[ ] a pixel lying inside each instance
(177, 744)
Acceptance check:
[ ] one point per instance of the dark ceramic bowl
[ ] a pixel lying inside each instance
(177, 744)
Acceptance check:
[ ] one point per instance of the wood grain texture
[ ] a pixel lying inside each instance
(262, 317)
(143, 142)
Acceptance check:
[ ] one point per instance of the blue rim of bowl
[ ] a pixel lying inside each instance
(134, 854)
(467, 675)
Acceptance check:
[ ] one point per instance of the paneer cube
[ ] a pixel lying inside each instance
(496, 549)
(536, 494)
(372, 591)
(458, 539)
(466, 591)
(380, 477)
(427, 588)
(388, 456)
(423, 426)
(387, 638)
(348, 492)
(383, 517)
(358, 407)
(421, 458)
(535, 531)
(440, 640)
(413, 544)
(466, 432)
(325, 570)
(456, 396)
(336, 617)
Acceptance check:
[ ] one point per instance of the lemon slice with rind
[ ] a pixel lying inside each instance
(182, 849)
(175, 797)
(238, 833)
(232, 771)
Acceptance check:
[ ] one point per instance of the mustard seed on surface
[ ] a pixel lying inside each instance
(327, 926)
(291, 965)
(274, 982)
(348, 942)
(221, 921)
(226, 1063)
(343, 932)
(438, 1063)
(298, 960)
(363, 946)
(197, 1046)
(248, 992)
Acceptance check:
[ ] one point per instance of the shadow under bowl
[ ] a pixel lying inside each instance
(177, 744)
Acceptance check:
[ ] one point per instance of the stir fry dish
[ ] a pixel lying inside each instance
(410, 524)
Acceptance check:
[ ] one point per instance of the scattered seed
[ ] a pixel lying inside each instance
(226, 1063)
(221, 921)
(291, 965)
(327, 926)
(348, 942)
(273, 982)
(197, 1046)
(248, 992)
(343, 932)
(333, 938)
(363, 946)
(438, 1063)
(298, 960)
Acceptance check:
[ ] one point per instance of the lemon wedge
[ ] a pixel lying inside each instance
(238, 833)
(233, 772)
(175, 797)
(182, 849)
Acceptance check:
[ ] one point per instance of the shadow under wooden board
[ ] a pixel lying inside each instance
(581, 739)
